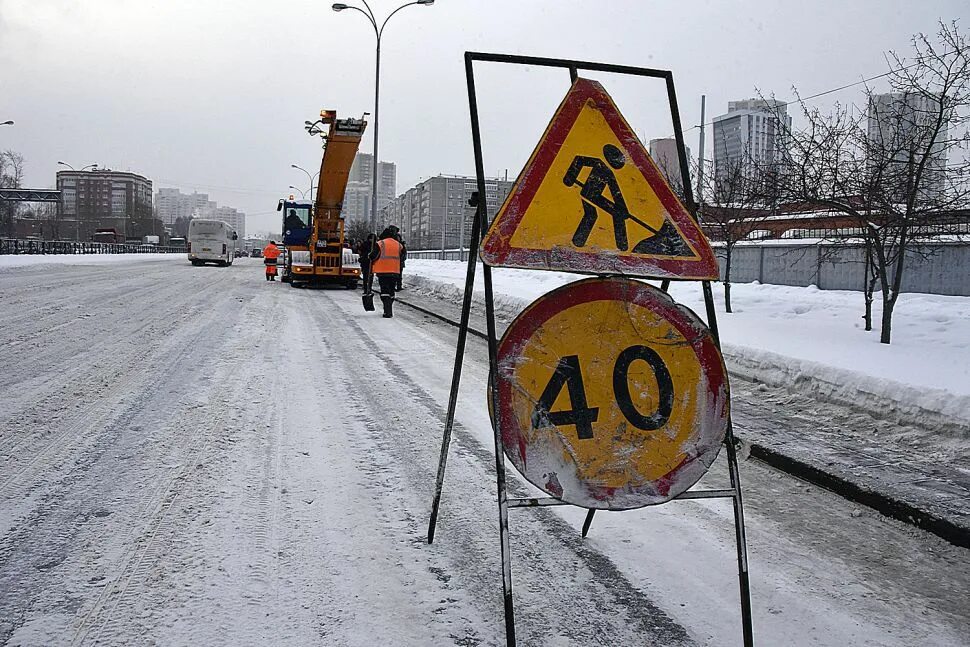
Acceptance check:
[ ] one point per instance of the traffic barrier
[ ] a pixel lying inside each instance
(32, 246)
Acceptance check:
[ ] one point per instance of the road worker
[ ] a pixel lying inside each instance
(404, 257)
(270, 253)
(386, 265)
(364, 249)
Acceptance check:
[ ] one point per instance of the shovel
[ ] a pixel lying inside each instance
(368, 297)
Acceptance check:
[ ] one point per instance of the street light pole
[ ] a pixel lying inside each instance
(302, 192)
(310, 177)
(378, 32)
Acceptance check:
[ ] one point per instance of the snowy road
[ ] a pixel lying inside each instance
(195, 456)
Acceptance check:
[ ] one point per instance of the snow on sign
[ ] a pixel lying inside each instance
(610, 395)
(591, 200)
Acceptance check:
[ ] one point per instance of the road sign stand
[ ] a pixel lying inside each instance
(477, 234)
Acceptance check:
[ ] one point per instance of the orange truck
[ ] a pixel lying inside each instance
(313, 233)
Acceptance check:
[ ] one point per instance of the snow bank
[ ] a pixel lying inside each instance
(809, 339)
(16, 261)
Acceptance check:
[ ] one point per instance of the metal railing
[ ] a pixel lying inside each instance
(438, 255)
(30, 246)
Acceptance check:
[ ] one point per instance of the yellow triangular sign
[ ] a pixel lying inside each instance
(591, 200)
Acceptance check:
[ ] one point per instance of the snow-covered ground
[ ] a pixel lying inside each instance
(793, 336)
(195, 456)
(13, 262)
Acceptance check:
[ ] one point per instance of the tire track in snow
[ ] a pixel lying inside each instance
(46, 538)
(576, 614)
(112, 619)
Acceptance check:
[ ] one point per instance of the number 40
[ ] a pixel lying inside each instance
(580, 414)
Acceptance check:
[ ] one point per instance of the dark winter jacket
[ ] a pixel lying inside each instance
(365, 250)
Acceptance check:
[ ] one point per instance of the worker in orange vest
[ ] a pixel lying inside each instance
(386, 265)
(270, 253)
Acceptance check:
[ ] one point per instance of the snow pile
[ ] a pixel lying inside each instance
(16, 261)
(809, 339)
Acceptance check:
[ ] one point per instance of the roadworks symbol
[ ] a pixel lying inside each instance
(592, 200)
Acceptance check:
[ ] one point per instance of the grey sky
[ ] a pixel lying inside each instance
(211, 95)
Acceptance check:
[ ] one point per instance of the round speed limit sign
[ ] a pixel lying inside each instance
(610, 395)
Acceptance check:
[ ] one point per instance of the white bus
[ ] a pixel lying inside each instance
(211, 241)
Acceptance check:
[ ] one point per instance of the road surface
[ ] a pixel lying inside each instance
(196, 456)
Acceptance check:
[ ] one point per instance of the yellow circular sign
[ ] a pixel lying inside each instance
(610, 395)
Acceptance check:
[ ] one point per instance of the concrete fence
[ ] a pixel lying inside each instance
(938, 268)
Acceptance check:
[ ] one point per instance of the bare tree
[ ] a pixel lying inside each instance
(733, 204)
(357, 229)
(51, 217)
(11, 175)
(896, 168)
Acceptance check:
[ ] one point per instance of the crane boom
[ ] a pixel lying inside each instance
(316, 249)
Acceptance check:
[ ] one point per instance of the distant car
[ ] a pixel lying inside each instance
(238, 253)
(257, 253)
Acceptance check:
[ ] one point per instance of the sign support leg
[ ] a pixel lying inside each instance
(743, 582)
(589, 520)
(503, 508)
(456, 374)
(732, 457)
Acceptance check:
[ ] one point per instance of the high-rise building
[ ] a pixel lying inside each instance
(664, 153)
(899, 123)
(102, 198)
(357, 198)
(750, 136)
(435, 212)
(236, 219)
(172, 204)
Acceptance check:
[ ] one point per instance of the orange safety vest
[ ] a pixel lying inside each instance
(389, 262)
(271, 251)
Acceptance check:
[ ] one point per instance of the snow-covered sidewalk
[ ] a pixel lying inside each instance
(797, 337)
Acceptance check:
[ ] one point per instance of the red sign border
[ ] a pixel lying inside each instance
(497, 251)
(626, 290)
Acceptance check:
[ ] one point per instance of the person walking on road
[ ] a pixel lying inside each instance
(386, 258)
(270, 253)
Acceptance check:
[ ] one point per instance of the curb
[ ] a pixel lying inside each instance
(882, 503)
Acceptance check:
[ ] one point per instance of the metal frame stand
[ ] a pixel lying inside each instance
(479, 227)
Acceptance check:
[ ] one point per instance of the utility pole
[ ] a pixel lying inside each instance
(700, 157)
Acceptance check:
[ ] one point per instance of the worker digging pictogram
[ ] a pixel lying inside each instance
(591, 200)
(599, 181)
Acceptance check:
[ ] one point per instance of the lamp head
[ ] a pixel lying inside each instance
(8, 122)
(339, 6)
(426, 2)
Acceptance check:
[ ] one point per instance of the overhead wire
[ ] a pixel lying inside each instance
(831, 91)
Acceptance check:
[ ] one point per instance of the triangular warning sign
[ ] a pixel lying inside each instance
(591, 200)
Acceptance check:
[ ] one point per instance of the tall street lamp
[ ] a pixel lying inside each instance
(378, 32)
(77, 214)
(310, 177)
